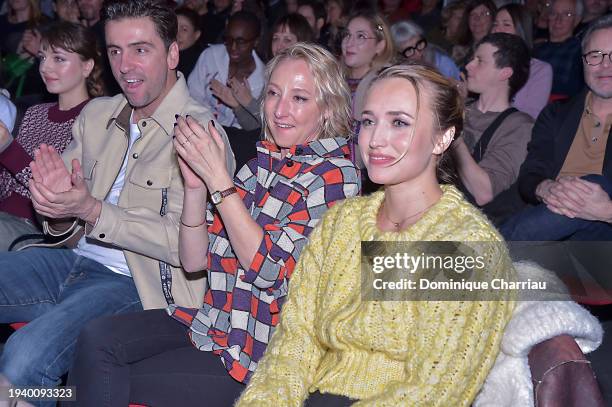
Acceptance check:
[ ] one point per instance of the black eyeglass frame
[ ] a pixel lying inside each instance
(601, 54)
(419, 46)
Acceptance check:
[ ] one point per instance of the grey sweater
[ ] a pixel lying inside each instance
(508, 146)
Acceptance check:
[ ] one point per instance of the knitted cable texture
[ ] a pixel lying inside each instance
(384, 353)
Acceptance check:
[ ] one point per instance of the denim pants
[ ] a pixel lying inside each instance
(539, 223)
(57, 292)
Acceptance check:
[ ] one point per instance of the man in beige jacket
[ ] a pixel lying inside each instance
(116, 193)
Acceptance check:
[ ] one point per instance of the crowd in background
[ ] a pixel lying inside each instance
(307, 99)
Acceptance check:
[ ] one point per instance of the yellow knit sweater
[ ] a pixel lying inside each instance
(384, 353)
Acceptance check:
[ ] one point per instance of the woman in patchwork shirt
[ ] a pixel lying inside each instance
(254, 229)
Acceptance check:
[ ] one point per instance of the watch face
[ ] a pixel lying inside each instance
(216, 197)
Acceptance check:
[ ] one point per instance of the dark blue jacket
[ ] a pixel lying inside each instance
(552, 137)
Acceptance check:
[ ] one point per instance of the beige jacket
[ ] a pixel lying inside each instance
(101, 135)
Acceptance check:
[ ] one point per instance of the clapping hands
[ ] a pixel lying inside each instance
(56, 193)
(203, 152)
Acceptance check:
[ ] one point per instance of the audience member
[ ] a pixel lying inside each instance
(531, 98)
(478, 18)
(335, 347)
(494, 142)
(71, 69)
(187, 38)
(66, 10)
(411, 44)
(18, 48)
(121, 202)
(249, 240)
(288, 30)
(367, 45)
(479, 15)
(221, 64)
(562, 50)
(567, 173)
(21, 16)
(314, 12)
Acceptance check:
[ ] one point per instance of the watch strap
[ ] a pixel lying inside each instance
(227, 192)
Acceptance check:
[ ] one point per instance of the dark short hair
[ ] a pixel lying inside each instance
(601, 23)
(159, 11)
(297, 24)
(318, 9)
(246, 17)
(512, 52)
(190, 15)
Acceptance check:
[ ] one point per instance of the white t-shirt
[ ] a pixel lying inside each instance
(106, 254)
(213, 63)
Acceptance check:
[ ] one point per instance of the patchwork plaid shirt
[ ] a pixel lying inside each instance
(286, 196)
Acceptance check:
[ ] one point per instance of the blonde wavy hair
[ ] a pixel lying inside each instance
(332, 92)
(445, 103)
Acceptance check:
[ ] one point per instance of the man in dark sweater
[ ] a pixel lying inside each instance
(562, 50)
(568, 173)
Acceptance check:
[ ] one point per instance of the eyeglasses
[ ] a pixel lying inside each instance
(419, 46)
(567, 15)
(240, 42)
(474, 16)
(595, 58)
(359, 38)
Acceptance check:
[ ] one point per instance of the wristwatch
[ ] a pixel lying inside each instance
(217, 196)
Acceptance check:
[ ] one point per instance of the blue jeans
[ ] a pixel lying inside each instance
(539, 223)
(57, 292)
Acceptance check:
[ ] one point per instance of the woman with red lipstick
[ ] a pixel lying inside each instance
(340, 341)
(70, 68)
(247, 238)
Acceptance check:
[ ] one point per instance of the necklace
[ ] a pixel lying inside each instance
(397, 225)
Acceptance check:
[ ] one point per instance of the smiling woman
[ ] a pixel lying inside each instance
(247, 239)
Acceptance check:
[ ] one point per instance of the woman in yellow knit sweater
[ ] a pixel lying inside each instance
(333, 347)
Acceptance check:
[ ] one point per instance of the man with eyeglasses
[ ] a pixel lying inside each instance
(234, 61)
(568, 171)
(562, 50)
